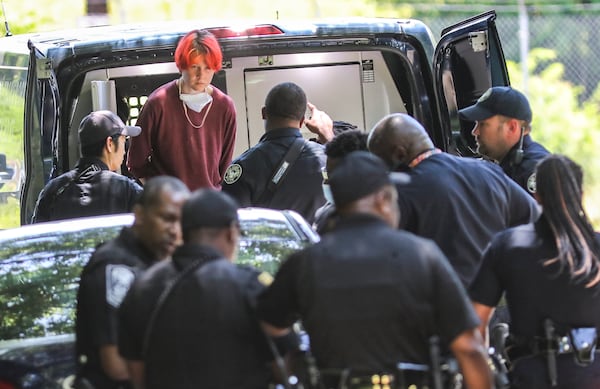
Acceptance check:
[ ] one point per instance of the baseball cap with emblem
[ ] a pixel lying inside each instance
(99, 125)
(360, 174)
(208, 208)
(499, 100)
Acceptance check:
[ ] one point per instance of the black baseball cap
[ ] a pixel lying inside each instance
(99, 125)
(358, 175)
(499, 100)
(208, 208)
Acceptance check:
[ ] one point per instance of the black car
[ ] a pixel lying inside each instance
(39, 273)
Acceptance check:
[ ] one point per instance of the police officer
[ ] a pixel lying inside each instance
(502, 117)
(92, 188)
(266, 175)
(107, 276)
(189, 322)
(458, 202)
(341, 145)
(549, 272)
(371, 296)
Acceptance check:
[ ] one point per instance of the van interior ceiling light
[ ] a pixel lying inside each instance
(8, 33)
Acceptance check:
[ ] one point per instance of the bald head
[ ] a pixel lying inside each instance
(398, 138)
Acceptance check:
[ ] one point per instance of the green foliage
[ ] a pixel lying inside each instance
(11, 118)
(560, 122)
(9, 213)
(39, 279)
(12, 91)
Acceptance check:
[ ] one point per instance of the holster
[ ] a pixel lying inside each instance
(583, 340)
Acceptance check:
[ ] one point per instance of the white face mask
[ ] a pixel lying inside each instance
(327, 193)
(196, 101)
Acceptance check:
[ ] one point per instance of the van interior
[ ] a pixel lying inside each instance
(355, 87)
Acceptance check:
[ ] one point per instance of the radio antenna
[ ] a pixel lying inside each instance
(8, 33)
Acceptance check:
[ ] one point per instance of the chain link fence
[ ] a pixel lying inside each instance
(572, 32)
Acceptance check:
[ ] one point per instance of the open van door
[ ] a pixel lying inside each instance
(467, 61)
(42, 115)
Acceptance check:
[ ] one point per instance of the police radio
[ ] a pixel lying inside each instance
(518, 156)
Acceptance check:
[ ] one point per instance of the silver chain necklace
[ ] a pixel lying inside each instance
(187, 116)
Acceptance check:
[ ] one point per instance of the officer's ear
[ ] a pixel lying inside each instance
(514, 128)
(108, 144)
(231, 239)
(138, 212)
(386, 205)
(301, 123)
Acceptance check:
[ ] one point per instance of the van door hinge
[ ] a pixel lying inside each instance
(43, 68)
(478, 41)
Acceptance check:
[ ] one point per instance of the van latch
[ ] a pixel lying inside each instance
(478, 41)
(43, 68)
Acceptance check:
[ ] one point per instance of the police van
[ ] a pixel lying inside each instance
(357, 70)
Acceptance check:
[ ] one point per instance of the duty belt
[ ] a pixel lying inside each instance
(336, 379)
(581, 342)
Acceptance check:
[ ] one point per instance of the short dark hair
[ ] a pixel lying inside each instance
(95, 149)
(345, 143)
(208, 209)
(286, 100)
(157, 185)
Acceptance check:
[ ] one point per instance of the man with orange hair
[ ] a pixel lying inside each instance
(188, 125)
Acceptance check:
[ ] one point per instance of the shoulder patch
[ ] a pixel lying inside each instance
(118, 280)
(233, 173)
(265, 278)
(532, 184)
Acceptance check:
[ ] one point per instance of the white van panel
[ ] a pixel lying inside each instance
(353, 86)
(318, 82)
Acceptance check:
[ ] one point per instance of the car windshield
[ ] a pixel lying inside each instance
(40, 265)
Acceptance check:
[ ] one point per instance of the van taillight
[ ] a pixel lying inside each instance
(231, 32)
(7, 385)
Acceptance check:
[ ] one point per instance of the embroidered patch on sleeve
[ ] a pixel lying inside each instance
(233, 173)
(118, 281)
(532, 183)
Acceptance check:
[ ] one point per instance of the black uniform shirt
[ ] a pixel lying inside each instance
(369, 296)
(103, 285)
(88, 190)
(205, 334)
(524, 172)
(301, 190)
(460, 203)
(513, 264)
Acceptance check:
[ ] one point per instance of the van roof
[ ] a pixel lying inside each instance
(153, 34)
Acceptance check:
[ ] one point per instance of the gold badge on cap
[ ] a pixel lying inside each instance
(233, 173)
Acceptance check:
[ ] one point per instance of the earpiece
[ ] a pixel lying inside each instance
(518, 156)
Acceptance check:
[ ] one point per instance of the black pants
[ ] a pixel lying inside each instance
(531, 373)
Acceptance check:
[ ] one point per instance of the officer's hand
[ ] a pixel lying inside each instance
(319, 123)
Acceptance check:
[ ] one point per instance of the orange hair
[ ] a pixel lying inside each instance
(198, 43)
